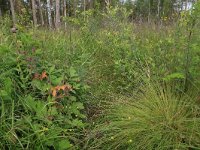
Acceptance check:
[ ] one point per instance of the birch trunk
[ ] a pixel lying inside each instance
(65, 10)
(41, 14)
(57, 24)
(49, 13)
(34, 13)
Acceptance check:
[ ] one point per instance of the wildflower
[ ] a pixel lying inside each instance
(45, 129)
(130, 141)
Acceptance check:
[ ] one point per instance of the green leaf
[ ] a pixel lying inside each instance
(77, 123)
(37, 84)
(64, 144)
(56, 81)
(38, 51)
(30, 103)
(174, 76)
(53, 111)
(40, 109)
(78, 105)
(4, 94)
(77, 86)
(72, 72)
(72, 98)
(8, 85)
(86, 87)
(75, 109)
(51, 69)
(36, 106)
(40, 85)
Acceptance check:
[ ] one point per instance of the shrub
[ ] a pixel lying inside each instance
(41, 104)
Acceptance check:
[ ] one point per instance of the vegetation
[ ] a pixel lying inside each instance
(100, 75)
(155, 119)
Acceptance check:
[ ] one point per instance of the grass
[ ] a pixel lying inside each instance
(115, 58)
(155, 118)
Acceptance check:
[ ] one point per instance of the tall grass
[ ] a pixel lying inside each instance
(155, 118)
(115, 58)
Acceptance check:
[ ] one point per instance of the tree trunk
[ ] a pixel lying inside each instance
(13, 13)
(41, 15)
(0, 12)
(49, 13)
(53, 12)
(74, 5)
(158, 7)
(87, 4)
(107, 3)
(57, 24)
(65, 10)
(34, 13)
(186, 5)
(91, 4)
(182, 5)
(84, 8)
(149, 14)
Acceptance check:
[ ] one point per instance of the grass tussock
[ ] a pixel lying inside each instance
(154, 119)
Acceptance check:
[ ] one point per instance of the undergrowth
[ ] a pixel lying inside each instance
(155, 118)
(54, 84)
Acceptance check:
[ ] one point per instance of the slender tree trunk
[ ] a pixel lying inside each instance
(107, 3)
(87, 4)
(41, 15)
(13, 13)
(53, 13)
(182, 5)
(65, 10)
(74, 5)
(91, 4)
(49, 13)
(34, 13)
(68, 8)
(158, 7)
(0, 12)
(57, 24)
(149, 15)
(61, 8)
(186, 4)
(84, 8)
